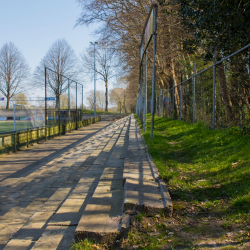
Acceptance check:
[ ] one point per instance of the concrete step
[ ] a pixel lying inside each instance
(143, 191)
(102, 218)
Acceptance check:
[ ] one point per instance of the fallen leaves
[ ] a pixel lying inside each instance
(235, 164)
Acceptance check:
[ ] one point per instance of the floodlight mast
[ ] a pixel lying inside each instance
(94, 43)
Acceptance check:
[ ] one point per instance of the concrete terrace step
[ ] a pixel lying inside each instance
(104, 218)
(143, 191)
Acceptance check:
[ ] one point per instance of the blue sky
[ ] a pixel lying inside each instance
(34, 25)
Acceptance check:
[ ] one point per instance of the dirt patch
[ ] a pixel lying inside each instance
(192, 226)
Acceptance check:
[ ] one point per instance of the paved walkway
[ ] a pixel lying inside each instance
(80, 185)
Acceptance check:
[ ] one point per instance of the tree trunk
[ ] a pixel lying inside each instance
(106, 95)
(224, 92)
(57, 101)
(8, 103)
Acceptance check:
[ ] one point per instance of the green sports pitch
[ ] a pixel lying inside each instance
(8, 126)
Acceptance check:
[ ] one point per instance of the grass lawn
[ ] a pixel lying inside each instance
(9, 125)
(207, 173)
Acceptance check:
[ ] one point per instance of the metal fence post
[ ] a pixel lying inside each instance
(14, 141)
(193, 78)
(27, 137)
(59, 113)
(145, 94)
(159, 103)
(181, 103)
(167, 100)
(214, 88)
(154, 69)
(45, 71)
(37, 134)
(141, 97)
(163, 101)
(173, 102)
(76, 108)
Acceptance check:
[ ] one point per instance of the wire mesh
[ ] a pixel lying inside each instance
(219, 96)
(204, 97)
(233, 91)
(187, 101)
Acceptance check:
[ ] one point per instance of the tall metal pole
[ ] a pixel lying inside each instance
(45, 82)
(94, 84)
(162, 103)
(69, 118)
(181, 99)
(214, 88)
(167, 100)
(181, 103)
(173, 100)
(59, 112)
(194, 94)
(159, 103)
(141, 97)
(68, 95)
(76, 107)
(145, 94)
(154, 69)
(15, 117)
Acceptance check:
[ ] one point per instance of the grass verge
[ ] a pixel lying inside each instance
(207, 173)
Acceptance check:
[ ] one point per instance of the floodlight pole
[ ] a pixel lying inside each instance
(76, 107)
(94, 80)
(154, 69)
(45, 82)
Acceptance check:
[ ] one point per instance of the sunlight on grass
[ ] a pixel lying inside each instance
(204, 165)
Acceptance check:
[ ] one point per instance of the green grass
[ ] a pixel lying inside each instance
(6, 126)
(201, 164)
(205, 170)
(83, 245)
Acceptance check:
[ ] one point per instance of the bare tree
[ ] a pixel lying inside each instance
(106, 65)
(62, 59)
(20, 99)
(117, 97)
(122, 24)
(100, 99)
(13, 71)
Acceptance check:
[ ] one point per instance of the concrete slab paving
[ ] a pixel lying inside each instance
(74, 187)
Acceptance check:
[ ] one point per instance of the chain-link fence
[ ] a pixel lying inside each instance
(218, 96)
(68, 97)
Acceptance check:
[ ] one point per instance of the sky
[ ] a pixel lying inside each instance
(34, 25)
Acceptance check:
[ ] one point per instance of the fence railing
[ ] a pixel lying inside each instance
(218, 96)
(58, 125)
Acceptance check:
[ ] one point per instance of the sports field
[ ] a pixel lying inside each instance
(6, 126)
